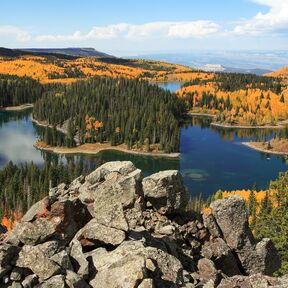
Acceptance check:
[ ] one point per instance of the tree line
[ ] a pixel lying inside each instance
(23, 185)
(18, 90)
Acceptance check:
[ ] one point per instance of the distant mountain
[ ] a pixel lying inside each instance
(11, 53)
(80, 52)
(60, 53)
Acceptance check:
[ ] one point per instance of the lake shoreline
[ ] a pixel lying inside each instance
(17, 108)
(96, 148)
(228, 126)
(279, 125)
(256, 146)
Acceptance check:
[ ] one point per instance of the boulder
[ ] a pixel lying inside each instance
(96, 235)
(232, 219)
(111, 214)
(31, 233)
(57, 281)
(166, 268)
(33, 258)
(219, 252)
(38, 209)
(79, 261)
(126, 272)
(73, 280)
(52, 247)
(211, 224)
(63, 260)
(120, 180)
(208, 272)
(30, 281)
(62, 221)
(165, 191)
(146, 283)
(268, 259)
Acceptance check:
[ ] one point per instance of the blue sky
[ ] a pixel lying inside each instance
(135, 27)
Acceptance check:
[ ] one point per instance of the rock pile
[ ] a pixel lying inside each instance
(115, 228)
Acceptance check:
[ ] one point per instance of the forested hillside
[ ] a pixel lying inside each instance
(238, 99)
(52, 68)
(116, 110)
(18, 90)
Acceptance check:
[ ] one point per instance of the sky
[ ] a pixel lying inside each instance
(129, 27)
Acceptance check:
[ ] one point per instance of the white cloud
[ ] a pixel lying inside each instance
(193, 29)
(15, 33)
(188, 29)
(276, 18)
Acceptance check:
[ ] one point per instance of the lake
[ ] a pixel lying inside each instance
(211, 158)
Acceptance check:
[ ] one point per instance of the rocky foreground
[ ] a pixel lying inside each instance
(115, 228)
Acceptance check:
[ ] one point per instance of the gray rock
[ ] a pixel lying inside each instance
(127, 272)
(207, 271)
(57, 281)
(96, 235)
(164, 229)
(111, 214)
(121, 167)
(269, 260)
(15, 285)
(112, 188)
(73, 280)
(31, 233)
(231, 217)
(167, 267)
(38, 209)
(146, 283)
(51, 247)
(79, 261)
(63, 260)
(220, 253)
(165, 191)
(19, 273)
(33, 258)
(211, 224)
(30, 281)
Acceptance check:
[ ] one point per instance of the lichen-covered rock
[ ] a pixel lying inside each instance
(30, 281)
(231, 217)
(33, 258)
(208, 272)
(128, 271)
(73, 280)
(95, 235)
(220, 253)
(79, 261)
(165, 191)
(57, 281)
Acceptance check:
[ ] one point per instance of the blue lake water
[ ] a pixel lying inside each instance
(211, 159)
